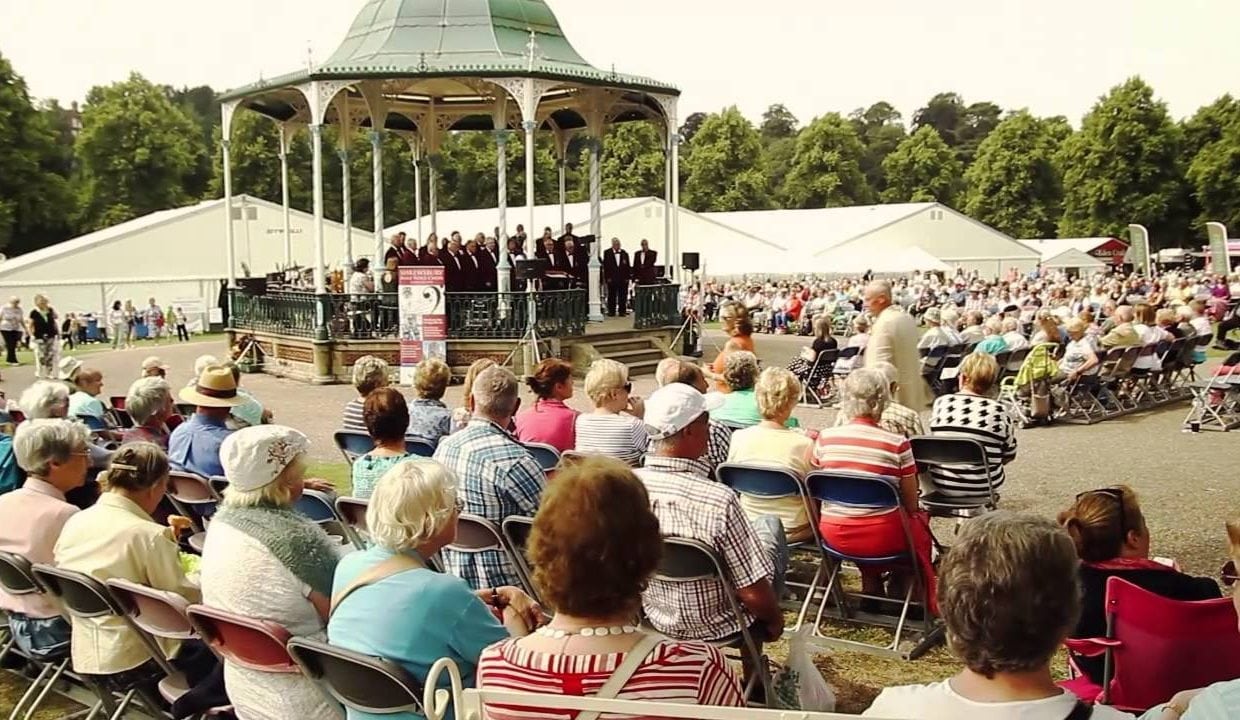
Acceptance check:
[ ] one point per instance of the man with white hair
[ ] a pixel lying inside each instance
(1122, 333)
(149, 403)
(1012, 335)
(894, 339)
(896, 418)
(498, 477)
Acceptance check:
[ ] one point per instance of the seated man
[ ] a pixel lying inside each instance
(195, 444)
(1122, 333)
(688, 505)
(497, 476)
(936, 334)
(1012, 336)
(675, 370)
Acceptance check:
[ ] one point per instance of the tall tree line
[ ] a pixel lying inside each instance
(136, 147)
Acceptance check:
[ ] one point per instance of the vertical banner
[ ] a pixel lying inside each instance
(1220, 258)
(1139, 244)
(423, 319)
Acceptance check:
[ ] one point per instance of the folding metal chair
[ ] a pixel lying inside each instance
(420, 448)
(954, 455)
(17, 579)
(516, 530)
(361, 683)
(546, 456)
(92, 423)
(353, 444)
(186, 410)
(845, 362)
(194, 497)
(246, 642)
(870, 492)
(475, 534)
(1209, 410)
(120, 417)
(691, 561)
(352, 512)
(320, 507)
(85, 597)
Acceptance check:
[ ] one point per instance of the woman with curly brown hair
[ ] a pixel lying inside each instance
(550, 421)
(591, 567)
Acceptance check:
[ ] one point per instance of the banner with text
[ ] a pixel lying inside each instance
(1220, 259)
(423, 318)
(1139, 244)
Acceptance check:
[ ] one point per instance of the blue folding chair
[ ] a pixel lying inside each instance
(353, 444)
(546, 456)
(867, 492)
(769, 483)
(93, 423)
(420, 448)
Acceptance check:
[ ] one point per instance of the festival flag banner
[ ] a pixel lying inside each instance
(1139, 238)
(423, 319)
(1220, 258)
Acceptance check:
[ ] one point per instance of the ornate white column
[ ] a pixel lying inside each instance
(231, 250)
(563, 188)
(596, 228)
(432, 164)
(376, 151)
(667, 198)
(417, 194)
(502, 275)
(320, 276)
(346, 197)
(284, 197)
(675, 201)
(530, 126)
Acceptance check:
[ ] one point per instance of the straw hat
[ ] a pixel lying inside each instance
(68, 367)
(215, 387)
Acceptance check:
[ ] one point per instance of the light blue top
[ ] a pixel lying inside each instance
(81, 403)
(992, 345)
(1220, 701)
(412, 618)
(251, 411)
(194, 445)
(367, 470)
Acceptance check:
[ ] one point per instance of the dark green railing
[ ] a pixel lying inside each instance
(561, 313)
(656, 306)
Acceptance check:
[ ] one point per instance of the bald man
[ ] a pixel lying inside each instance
(893, 339)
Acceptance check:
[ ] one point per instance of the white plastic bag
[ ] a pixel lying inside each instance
(799, 685)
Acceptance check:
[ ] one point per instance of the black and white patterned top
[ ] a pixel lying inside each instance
(978, 418)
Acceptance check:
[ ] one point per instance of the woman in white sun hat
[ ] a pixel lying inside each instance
(264, 560)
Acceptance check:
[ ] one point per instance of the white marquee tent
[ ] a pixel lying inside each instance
(176, 256)
(1059, 256)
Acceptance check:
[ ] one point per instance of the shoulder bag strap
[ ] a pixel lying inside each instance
(1081, 712)
(616, 682)
(398, 563)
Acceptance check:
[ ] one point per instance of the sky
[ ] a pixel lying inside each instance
(1055, 57)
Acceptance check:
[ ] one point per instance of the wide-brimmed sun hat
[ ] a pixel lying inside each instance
(215, 387)
(254, 457)
(68, 367)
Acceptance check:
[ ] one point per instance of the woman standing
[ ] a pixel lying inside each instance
(116, 324)
(11, 319)
(130, 316)
(44, 333)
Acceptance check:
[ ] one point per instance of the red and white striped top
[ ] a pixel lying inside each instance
(862, 446)
(689, 672)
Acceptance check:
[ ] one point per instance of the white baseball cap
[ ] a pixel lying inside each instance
(674, 407)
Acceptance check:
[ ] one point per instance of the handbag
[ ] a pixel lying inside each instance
(622, 674)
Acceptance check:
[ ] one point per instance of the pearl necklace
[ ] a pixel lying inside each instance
(551, 632)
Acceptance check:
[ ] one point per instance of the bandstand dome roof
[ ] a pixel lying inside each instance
(429, 50)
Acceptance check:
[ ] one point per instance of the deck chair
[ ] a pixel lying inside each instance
(1144, 632)
(246, 642)
(959, 455)
(475, 534)
(546, 456)
(361, 683)
(690, 561)
(1025, 391)
(17, 579)
(352, 512)
(873, 492)
(353, 444)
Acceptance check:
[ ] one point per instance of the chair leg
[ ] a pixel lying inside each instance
(58, 670)
(122, 706)
(31, 691)
(827, 593)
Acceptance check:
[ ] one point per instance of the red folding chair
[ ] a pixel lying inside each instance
(246, 642)
(1157, 647)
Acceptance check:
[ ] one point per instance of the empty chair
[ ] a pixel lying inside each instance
(476, 534)
(420, 448)
(516, 530)
(352, 512)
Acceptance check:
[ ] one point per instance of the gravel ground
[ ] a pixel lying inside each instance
(1187, 482)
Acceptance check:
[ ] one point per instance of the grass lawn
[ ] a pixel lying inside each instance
(336, 473)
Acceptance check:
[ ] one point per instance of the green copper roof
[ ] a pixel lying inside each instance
(462, 38)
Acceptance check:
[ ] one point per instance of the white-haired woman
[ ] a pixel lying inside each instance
(43, 325)
(863, 446)
(369, 373)
(149, 403)
(12, 321)
(388, 603)
(615, 426)
(264, 560)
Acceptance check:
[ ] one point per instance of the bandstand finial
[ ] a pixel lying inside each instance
(532, 48)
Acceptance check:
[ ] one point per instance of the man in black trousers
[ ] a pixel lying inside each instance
(616, 270)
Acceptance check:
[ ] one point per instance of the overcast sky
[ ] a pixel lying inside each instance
(1052, 56)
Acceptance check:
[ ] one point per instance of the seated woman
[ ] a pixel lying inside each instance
(770, 442)
(149, 402)
(429, 418)
(1080, 362)
(1009, 598)
(859, 339)
(387, 418)
(740, 407)
(461, 415)
(1048, 330)
(863, 446)
(53, 454)
(615, 426)
(1113, 540)
(550, 421)
(388, 603)
(85, 400)
(595, 627)
(116, 538)
(974, 415)
(369, 373)
(802, 365)
(265, 560)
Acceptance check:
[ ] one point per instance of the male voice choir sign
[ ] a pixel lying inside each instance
(423, 322)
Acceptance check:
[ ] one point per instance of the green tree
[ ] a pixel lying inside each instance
(34, 196)
(1014, 184)
(978, 121)
(1214, 176)
(200, 105)
(725, 166)
(691, 125)
(1207, 125)
(945, 113)
(826, 166)
(922, 169)
(1124, 166)
(136, 152)
(255, 153)
(777, 159)
(778, 123)
(881, 128)
(632, 164)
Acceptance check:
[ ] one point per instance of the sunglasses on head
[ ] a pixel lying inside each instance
(1116, 494)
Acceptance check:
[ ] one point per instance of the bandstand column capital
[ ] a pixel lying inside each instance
(501, 136)
(529, 126)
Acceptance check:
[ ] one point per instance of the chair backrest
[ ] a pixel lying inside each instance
(476, 534)
(359, 682)
(1152, 630)
(420, 448)
(823, 364)
(117, 401)
(767, 482)
(353, 444)
(850, 351)
(81, 594)
(218, 483)
(158, 612)
(352, 511)
(191, 489)
(249, 643)
(854, 489)
(16, 576)
(940, 450)
(318, 506)
(186, 409)
(121, 417)
(1016, 359)
(173, 421)
(93, 423)
(546, 456)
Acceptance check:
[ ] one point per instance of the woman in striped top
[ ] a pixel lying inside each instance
(615, 427)
(861, 446)
(591, 567)
(972, 414)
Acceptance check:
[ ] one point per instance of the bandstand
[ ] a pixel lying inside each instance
(421, 69)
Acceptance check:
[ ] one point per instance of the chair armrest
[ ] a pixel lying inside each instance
(1091, 647)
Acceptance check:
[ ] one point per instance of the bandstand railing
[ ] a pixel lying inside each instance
(285, 312)
(656, 306)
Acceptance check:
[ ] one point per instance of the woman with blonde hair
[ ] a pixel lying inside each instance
(387, 602)
(739, 329)
(615, 426)
(429, 418)
(974, 415)
(264, 560)
(802, 365)
(43, 326)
